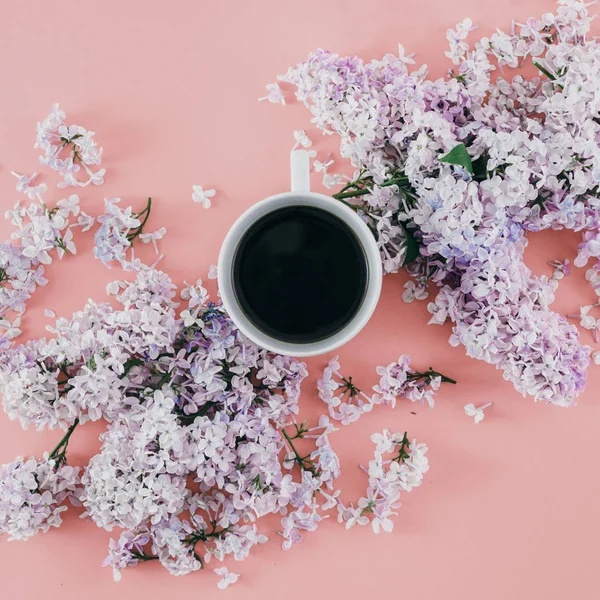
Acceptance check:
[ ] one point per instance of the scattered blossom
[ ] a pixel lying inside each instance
(331, 180)
(69, 149)
(388, 478)
(26, 186)
(202, 196)
(227, 578)
(117, 232)
(346, 402)
(414, 291)
(302, 140)
(274, 95)
(153, 237)
(561, 268)
(476, 411)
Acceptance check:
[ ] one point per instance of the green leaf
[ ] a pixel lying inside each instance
(412, 248)
(459, 156)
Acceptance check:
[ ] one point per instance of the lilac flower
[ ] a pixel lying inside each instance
(476, 412)
(32, 495)
(387, 479)
(127, 551)
(197, 401)
(227, 578)
(26, 186)
(413, 291)
(331, 180)
(202, 196)
(275, 95)
(117, 232)
(41, 232)
(302, 140)
(561, 268)
(151, 238)
(56, 138)
(529, 161)
(213, 272)
(397, 380)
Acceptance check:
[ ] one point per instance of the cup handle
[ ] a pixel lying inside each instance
(300, 170)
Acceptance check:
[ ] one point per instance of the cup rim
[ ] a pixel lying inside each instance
(227, 256)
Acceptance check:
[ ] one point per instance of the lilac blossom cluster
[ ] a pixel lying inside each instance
(453, 173)
(68, 149)
(346, 402)
(118, 229)
(32, 495)
(41, 233)
(202, 439)
(388, 478)
(182, 402)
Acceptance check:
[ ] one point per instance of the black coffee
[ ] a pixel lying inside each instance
(300, 274)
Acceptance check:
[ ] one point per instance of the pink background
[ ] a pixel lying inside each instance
(510, 507)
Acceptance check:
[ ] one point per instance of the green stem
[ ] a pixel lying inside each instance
(133, 234)
(354, 207)
(143, 556)
(416, 376)
(350, 387)
(60, 244)
(60, 451)
(402, 453)
(367, 190)
(302, 461)
(545, 71)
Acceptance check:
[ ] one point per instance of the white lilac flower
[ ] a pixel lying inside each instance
(85, 221)
(117, 232)
(68, 149)
(32, 495)
(41, 234)
(213, 272)
(202, 196)
(560, 268)
(476, 411)
(127, 551)
(388, 478)
(587, 320)
(346, 402)
(227, 578)
(151, 238)
(26, 186)
(330, 180)
(321, 167)
(183, 402)
(274, 95)
(146, 439)
(413, 291)
(302, 140)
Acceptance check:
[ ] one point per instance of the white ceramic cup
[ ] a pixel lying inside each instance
(299, 196)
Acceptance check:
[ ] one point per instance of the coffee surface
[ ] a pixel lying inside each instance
(300, 274)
